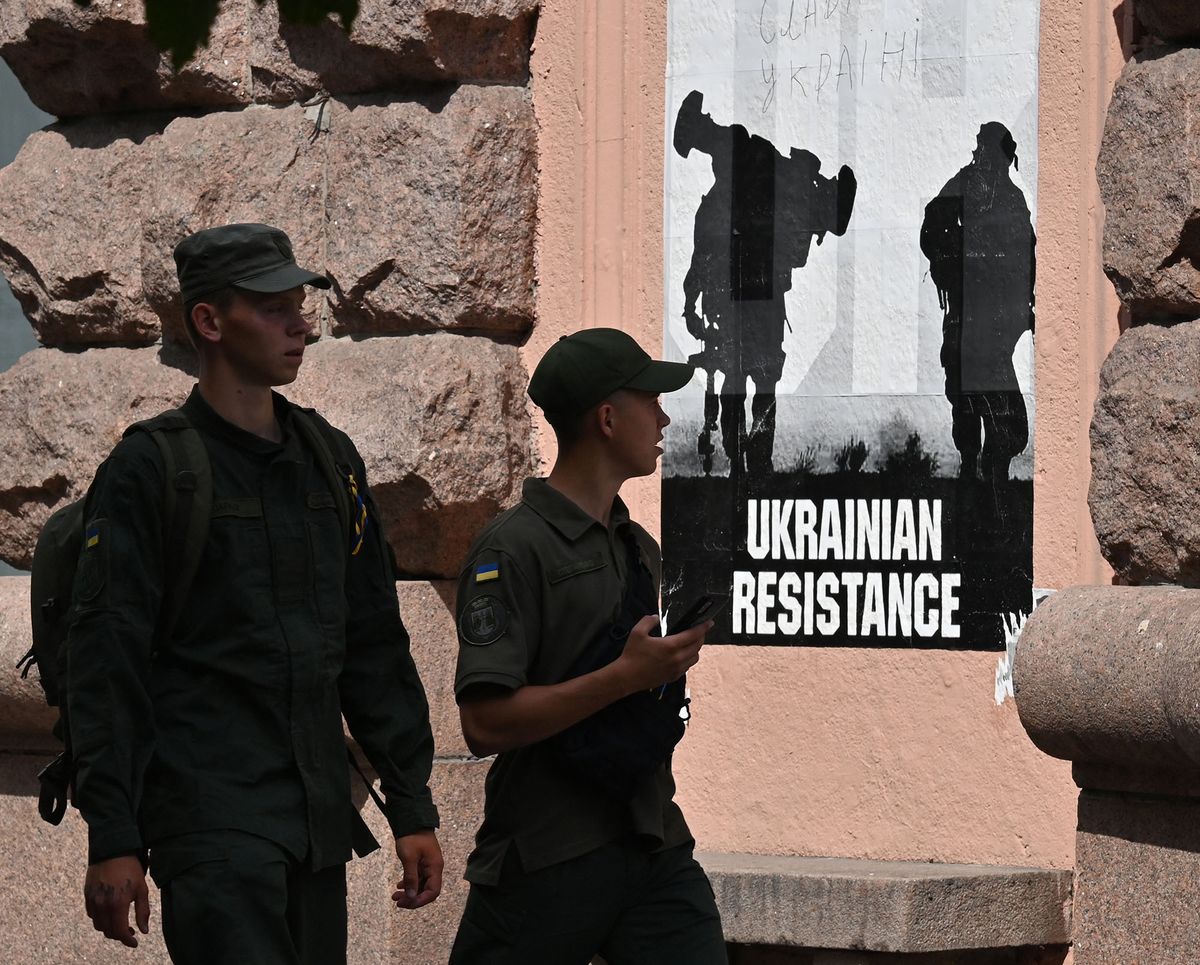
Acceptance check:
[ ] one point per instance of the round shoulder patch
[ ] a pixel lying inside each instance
(483, 621)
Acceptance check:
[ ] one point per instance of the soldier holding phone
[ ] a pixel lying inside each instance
(579, 854)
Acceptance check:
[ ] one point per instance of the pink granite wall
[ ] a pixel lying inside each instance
(1106, 677)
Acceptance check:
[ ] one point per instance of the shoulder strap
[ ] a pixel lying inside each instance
(640, 594)
(339, 474)
(187, 507)
(337, 468)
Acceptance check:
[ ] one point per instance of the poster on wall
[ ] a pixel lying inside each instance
(850, 258)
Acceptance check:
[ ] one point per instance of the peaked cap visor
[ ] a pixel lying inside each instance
(658, 377)
(281, 279)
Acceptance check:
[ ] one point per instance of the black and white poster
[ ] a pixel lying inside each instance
(850, 212)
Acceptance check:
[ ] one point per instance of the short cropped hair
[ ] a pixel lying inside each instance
(568, 428)
(221, 299)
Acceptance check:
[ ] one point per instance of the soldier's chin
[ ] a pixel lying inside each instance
(652, 465)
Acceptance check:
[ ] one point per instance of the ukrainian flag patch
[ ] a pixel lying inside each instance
(92, 536)
(487, 571)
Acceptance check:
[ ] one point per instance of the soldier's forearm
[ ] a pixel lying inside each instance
(535, 712)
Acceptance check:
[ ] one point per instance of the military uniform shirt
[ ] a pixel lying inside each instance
(236, 722)
(542, 581)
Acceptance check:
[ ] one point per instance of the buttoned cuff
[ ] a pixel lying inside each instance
(409, 816)
(113, 841)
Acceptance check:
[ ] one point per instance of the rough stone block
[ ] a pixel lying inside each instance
(75, 61)
(71, 232)
(90, 212)
(262, 164)
(1146, 455)
(1173, 20)
(439, 420)
(887, 906)
(25, 718)
(60, 414)
(428, 612)
(431, 210)
(1137, 880)
(442, 426)
(423, 212)
(393, 41)
(1152, 207)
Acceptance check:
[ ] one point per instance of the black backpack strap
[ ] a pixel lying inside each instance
(619, 747)
(55, 787)
(187, 507)
(362, 840)
(337, 467)
(638, 600)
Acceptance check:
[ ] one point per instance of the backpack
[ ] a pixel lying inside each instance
(187, 510)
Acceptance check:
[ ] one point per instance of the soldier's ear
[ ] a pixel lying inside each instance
(605, 418)
(204, 321)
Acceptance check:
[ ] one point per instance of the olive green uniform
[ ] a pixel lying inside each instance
(231, 731)
(561, 871)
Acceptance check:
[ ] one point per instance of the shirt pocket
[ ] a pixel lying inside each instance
(559, 572)
(326, 541)
(237, 550)
(578, 600)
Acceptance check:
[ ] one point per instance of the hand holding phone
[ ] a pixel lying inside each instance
(703, 608)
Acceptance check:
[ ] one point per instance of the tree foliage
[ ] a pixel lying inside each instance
(183, 28)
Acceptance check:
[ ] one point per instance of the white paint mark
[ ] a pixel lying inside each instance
(1014, 623)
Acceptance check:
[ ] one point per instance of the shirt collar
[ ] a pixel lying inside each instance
(563, 514)
(204, 416)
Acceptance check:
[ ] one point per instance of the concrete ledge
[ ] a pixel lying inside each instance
(887, 906)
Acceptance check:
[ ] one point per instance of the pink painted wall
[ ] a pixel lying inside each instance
(817, 751)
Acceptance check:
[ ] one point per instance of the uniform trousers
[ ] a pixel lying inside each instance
(229, 898)
(628, 904)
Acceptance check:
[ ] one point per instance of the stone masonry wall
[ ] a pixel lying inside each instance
(1106, 676)
(402, 160)
(1145, 434)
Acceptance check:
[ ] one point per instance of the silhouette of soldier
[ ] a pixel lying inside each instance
(754, 226)
(979, 239)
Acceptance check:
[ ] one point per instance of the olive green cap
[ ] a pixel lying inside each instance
(255, 257)
(581, 370)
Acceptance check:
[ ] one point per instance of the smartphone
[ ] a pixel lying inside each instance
(704, 608)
